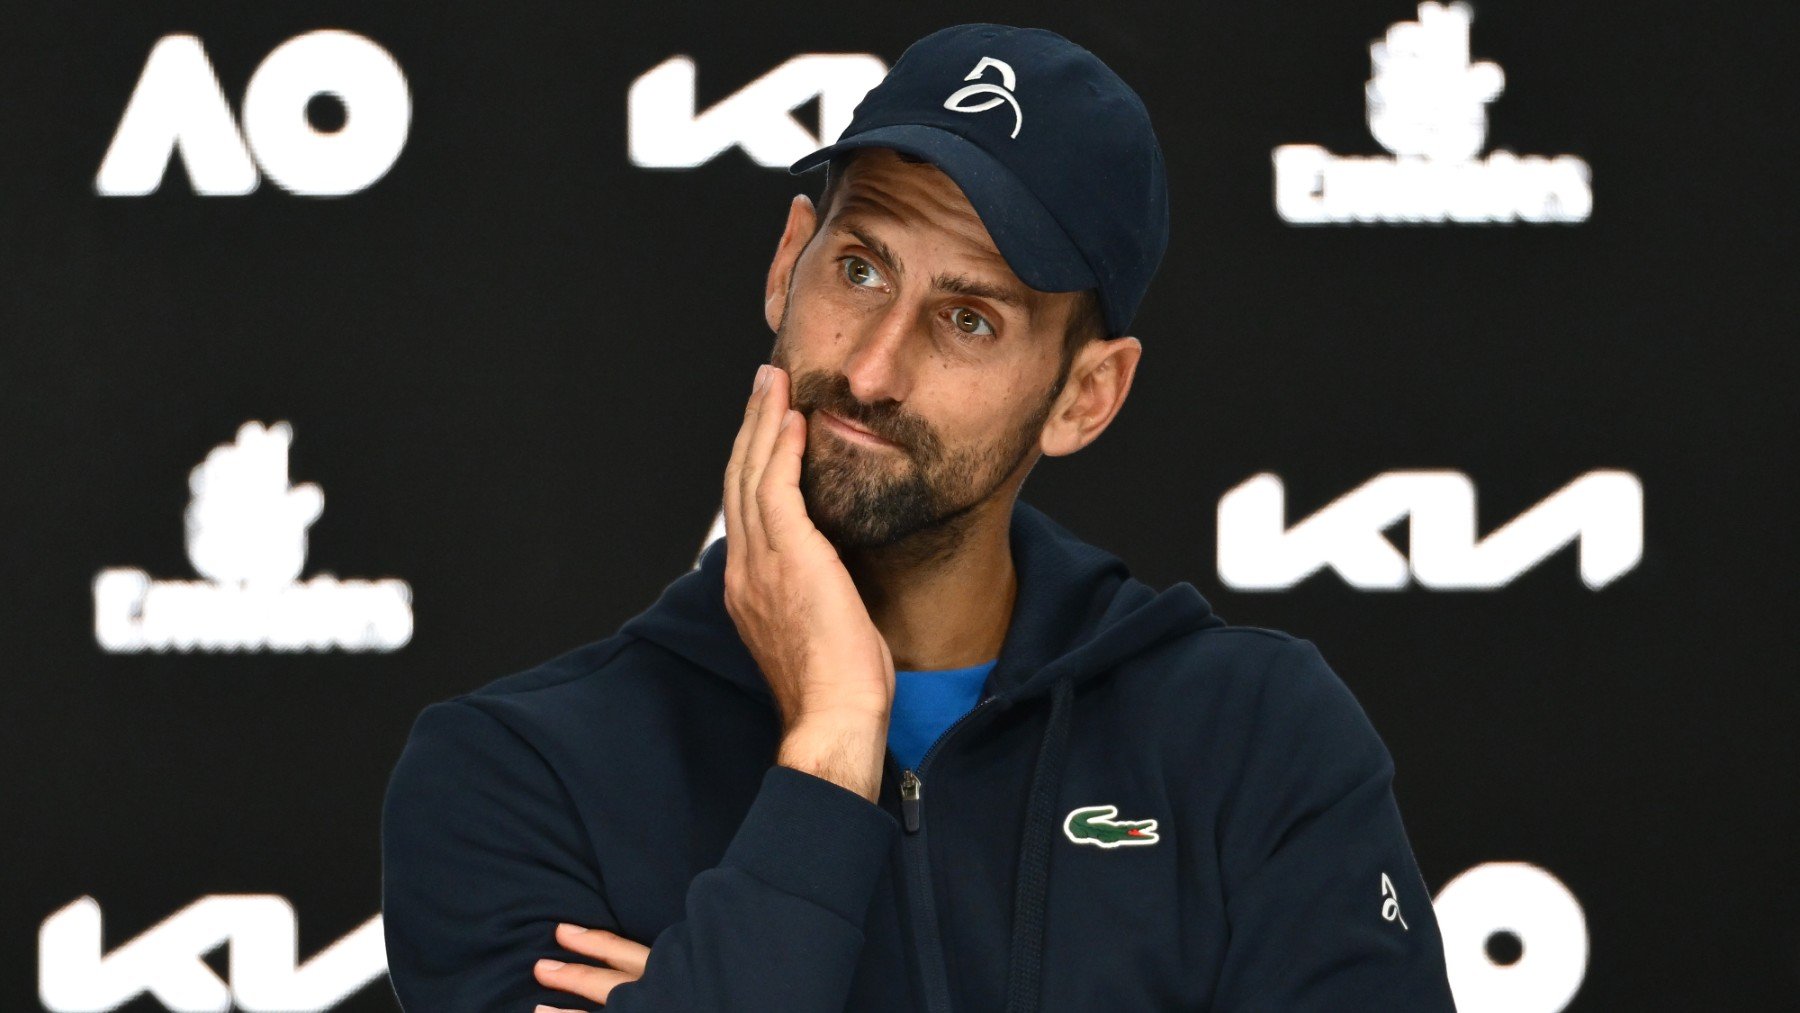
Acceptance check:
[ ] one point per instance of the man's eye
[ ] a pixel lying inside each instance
(861, 273)
(970, 322)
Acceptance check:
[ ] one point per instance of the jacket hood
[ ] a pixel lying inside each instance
(1078, 613)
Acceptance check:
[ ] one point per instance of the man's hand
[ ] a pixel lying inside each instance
(796, 607)
(626, 957)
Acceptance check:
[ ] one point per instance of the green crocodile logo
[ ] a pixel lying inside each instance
(1094, 824)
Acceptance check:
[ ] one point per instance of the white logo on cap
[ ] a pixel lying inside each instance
(1000, 92)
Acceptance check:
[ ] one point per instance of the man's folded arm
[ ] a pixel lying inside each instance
(1327, 908)
(483, 853)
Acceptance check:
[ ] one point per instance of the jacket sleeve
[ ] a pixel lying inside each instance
(482, 854)
(1325, 902)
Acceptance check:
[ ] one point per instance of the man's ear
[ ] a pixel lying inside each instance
(802, 222)
(1099, 379)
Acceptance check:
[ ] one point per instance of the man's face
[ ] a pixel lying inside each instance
(925, 367)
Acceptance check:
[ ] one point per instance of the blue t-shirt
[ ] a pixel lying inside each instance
(926, 703)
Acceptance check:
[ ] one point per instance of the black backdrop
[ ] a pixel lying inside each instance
(514, 363)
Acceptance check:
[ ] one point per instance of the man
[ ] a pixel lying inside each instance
(725, 806)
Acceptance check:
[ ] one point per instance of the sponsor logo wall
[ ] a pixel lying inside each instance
(178, 106)
(1499, 429)
(246, 532)
(1427, 105)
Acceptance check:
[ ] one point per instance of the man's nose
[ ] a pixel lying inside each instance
(880, 363)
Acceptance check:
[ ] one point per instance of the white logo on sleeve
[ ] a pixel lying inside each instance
(1390, 903)
(1002, 92)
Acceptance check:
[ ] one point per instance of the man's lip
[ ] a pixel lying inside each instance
(855, 432)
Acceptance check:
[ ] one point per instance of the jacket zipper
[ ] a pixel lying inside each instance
(911, 805)
(928, 941)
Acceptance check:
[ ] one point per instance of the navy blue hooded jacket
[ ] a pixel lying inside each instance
(1148, 809)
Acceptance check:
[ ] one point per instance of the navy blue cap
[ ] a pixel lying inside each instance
(1052, 149)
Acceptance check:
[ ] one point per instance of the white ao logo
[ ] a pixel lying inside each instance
(1528, 906)
(179, 106)
(1002, 92)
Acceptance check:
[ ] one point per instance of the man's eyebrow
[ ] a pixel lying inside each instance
(958, 284)
(879, 248)
(962, 284)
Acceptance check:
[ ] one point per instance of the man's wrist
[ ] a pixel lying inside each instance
(845, 750)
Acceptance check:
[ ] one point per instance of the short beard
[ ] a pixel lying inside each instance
(858, 503)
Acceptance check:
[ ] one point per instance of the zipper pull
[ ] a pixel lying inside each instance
(909, 800)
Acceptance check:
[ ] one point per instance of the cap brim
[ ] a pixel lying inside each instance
(1034, 245)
